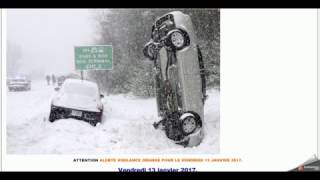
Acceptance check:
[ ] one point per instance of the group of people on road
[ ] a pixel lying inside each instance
(52, 78)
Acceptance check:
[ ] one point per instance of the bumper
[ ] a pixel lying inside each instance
(58, 112)
(18, 87)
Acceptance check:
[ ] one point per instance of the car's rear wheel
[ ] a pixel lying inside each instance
(189, 125)
(190, 121)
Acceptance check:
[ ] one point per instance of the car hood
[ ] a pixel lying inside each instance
(77, 102)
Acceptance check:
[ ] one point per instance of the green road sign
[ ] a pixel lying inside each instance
(98, 57)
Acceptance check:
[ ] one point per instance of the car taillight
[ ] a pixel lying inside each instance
(100, 107)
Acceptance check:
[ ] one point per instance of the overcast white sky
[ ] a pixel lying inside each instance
(48, 36)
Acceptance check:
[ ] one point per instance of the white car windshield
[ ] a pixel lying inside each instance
(80, 89)
(18, 80)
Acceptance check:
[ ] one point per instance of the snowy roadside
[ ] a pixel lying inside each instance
(126, 127)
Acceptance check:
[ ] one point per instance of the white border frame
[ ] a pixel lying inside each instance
(3, 75)
(64, 162)
(318, 83)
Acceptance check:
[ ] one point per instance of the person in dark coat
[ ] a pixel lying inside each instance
(48, 79)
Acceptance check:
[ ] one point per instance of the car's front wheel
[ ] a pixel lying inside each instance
(190, 121)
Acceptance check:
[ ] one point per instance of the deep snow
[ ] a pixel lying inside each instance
(126, 127)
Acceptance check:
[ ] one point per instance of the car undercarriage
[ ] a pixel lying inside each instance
(179, 78)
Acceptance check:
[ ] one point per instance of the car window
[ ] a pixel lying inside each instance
(18, 80)
(80, 89)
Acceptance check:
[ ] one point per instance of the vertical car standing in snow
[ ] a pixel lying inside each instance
(179, 77)
(78, 99)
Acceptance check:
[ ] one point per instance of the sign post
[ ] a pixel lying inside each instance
(99, 57)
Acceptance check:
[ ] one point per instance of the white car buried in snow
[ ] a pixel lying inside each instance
(78, 99)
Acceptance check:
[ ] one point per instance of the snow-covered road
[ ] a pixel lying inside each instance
(126, 127)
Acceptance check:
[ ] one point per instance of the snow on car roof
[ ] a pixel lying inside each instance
(83, 82)
(80, 87)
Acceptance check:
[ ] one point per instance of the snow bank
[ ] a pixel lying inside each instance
(126, 127)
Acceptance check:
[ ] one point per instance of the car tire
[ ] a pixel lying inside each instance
(190, 121)
(93, 123)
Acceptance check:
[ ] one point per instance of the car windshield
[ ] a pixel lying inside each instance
(18, 80)
(80, 89)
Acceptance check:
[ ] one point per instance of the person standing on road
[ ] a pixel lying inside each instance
(53, 79)
(48, 79)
